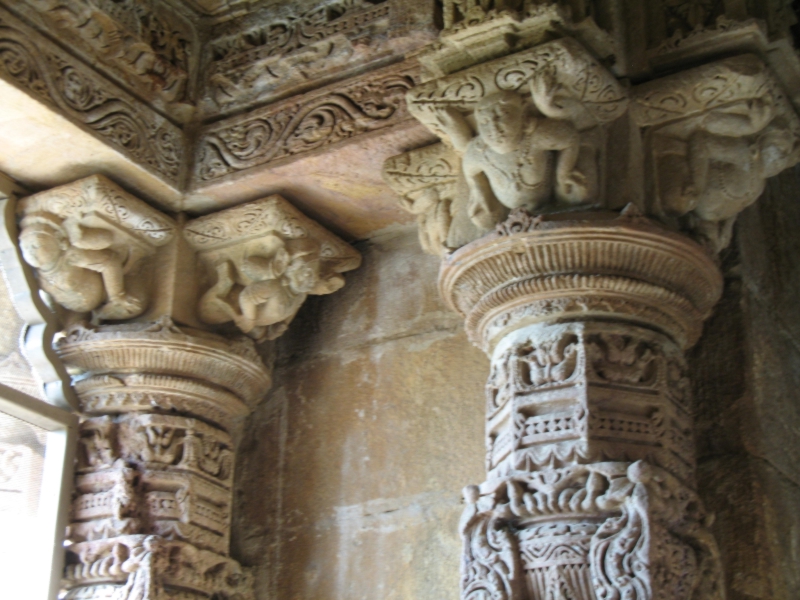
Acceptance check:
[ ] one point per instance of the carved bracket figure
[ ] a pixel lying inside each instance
(433, 188)
(714, 135)
(263, 260)
(87, 242)
(528, 127)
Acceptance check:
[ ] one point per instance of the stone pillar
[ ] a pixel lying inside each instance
(590, 459)
(162, 317)
(578, 219)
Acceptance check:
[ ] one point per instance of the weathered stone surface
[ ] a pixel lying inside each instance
(362, 397)
(147, 46)
(73, 89)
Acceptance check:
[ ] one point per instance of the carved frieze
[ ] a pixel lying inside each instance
(149, 566)
(262, 260)
(584, 393)
(89, 242)
(304, 124)
(155, 474)
(52, 76)
(606, 530)
(146, 45)
(279, 49)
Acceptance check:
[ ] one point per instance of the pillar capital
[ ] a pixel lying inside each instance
(161, 319)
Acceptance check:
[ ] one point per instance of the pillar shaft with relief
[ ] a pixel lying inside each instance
(578, 220)
(162, 318)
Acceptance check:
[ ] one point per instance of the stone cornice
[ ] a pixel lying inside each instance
(75, 90)
(304, 124)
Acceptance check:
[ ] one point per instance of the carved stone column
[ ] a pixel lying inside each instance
(156, 312)
(590, 458)
(578, 220)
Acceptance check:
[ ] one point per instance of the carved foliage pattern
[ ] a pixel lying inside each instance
(651, 542)
(305, 124)
(53, 77)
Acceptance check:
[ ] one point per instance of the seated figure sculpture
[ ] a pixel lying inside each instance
(728, 158)
(509, 163)
(78, 266)
(263, 298)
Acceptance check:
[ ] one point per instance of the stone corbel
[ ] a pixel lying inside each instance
(89, 244)
(529, 130)
(713, 135)
(262, 260)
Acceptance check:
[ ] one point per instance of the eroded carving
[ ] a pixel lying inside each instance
(264, 259)
(716, 133)
(282, 47)
(148, 45)
(45, 71)
(620, 530)
(561, 394)
(432, 187)
(87, 242)
(529, 127)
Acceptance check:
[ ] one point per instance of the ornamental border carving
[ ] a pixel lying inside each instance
(46, 72)
(304, 124)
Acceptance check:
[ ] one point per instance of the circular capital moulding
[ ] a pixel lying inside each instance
(581, 266)
(162, 348)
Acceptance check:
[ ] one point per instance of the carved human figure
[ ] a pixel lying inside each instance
(728, 158)
(269, 289)
(510, 160)
(434, 212)
(78, 266)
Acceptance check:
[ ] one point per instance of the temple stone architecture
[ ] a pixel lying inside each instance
(419, 299)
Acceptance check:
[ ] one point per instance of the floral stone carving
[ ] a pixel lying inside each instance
(263, 260)
(88, 242)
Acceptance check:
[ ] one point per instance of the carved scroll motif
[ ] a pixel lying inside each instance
(305, 124)
(53, 76)
(264, 259)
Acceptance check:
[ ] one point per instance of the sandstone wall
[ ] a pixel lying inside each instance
(351, 472)
(746, 371)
